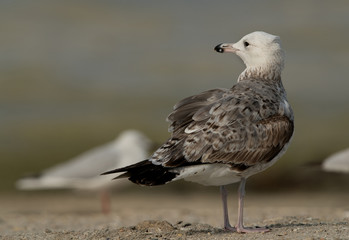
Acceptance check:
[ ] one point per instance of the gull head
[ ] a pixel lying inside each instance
(257, 50)
(131, 140)
(130, 147)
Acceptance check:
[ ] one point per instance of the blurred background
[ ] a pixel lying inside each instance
(74, 74)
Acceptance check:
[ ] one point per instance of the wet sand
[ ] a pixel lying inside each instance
(168, 215)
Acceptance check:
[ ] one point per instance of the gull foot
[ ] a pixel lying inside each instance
(230, 228)
(242, 229)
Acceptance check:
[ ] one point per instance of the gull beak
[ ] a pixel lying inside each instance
(225, 47)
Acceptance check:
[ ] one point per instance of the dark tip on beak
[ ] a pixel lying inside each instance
(219, 48)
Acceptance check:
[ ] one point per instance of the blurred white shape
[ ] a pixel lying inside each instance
(338, 162)
(83, 171)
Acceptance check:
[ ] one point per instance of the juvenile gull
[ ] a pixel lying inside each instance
(223, 136)
(82, 172)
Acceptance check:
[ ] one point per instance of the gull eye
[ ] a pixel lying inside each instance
(246, 44)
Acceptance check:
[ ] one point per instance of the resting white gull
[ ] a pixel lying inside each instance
(223, 136)
(338, 162)
(83, 171)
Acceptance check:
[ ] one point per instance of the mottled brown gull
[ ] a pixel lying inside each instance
(223, 136)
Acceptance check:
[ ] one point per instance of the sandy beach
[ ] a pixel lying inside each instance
(171, 215)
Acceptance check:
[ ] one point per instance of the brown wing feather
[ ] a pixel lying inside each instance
(239, 126)
(256, 144)
(184, 110)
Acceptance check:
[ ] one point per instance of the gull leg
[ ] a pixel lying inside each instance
(240, 225)
(105, 201)
(224, 195)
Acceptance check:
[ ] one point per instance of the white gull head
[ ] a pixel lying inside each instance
(128, 139)
(131, 146)
(260, 51)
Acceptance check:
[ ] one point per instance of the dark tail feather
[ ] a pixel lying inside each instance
(125, 169)
(145, 173)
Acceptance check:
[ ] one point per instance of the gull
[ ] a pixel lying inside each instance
(223, 136)
(338, 162)
(82, 172)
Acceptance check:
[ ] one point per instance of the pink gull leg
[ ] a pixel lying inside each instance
(227, 225)
(240, 225)
(105, 201)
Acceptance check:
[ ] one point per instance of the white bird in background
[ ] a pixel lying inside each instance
(337, 162)
(223, 136)
(83, 171)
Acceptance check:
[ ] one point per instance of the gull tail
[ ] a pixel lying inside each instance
(145, 173)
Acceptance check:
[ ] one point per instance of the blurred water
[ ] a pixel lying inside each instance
(73, 74)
